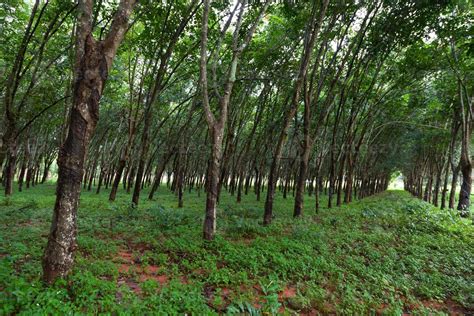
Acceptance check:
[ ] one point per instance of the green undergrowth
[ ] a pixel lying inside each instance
(386, 254)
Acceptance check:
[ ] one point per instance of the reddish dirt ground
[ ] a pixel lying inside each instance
(288, 292)
(126, 264)
(132, 273)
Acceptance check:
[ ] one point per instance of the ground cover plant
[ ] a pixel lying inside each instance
(388, 254)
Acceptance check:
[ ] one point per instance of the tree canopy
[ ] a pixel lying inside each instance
(306, 98)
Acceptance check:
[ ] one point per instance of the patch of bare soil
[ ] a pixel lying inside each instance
(132, 272)
(288, 292)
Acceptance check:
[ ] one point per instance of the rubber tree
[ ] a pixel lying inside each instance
(93, 61)
(29, 67)
(216, 125)
(466, 116)
(161, 78)
(311, 33)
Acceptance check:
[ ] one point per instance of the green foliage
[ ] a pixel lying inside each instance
(392, 253)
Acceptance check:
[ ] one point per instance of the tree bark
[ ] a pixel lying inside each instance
(445, 184)
(465, 192)
(10, 168)
(465, 162)
(212, 184)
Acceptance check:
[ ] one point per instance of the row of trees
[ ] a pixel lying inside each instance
(441, 154)
(303, 97)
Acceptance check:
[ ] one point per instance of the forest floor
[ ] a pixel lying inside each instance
(389, 254)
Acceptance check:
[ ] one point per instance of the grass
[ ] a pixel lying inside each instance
(388, 254)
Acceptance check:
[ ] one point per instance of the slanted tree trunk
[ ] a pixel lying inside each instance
(454, 181)
(465, 162)
(29, 175)
(310, 38)
(22, 175)
(159, 173)
(93, 62)
(445, 183)
(47, 166)
(131, 174)
(118, 176)
(466, 112)
(455, 125)
(155, 91)
(301, 180)
(124, 156)
(304, 160)
(9, 141)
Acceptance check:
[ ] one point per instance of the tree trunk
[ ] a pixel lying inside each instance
(437, 186)
(159, 173)
(47, 166)
(465, 163)
(143, 154)
(29, 175)
(311, 34)
(349, 177)
(10, 168)
(93, 62)
(445, 185)
(304, 159)
(301, 180)
(212, 184)
(465, 192)
(118, 176)
(340, 181)
(21, 176)
(466, 168)
(452, 193)
(101, 179)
